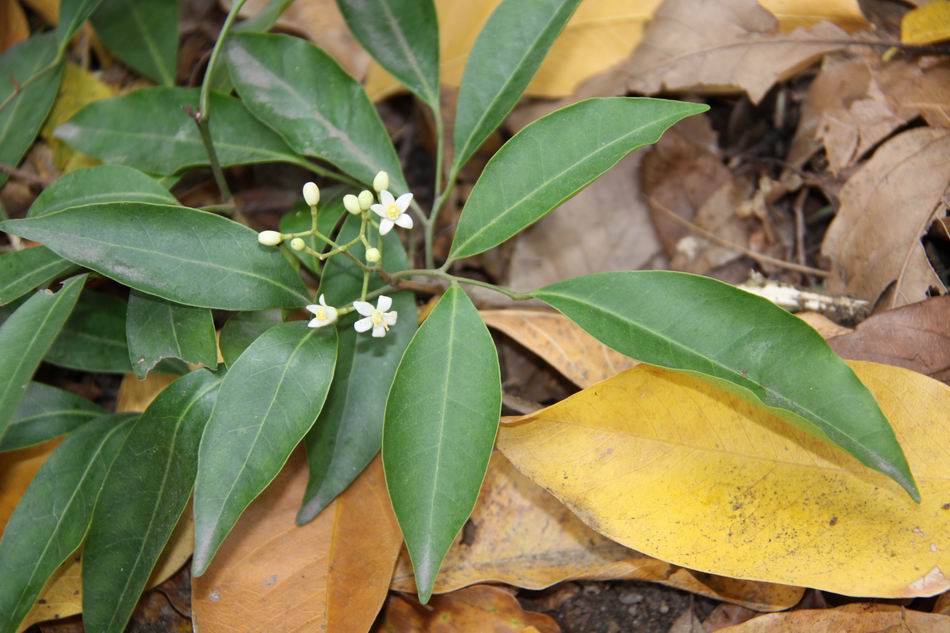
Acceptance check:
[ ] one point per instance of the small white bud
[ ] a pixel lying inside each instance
(372, 255)
(366, 199)
(297, 244)
(270, 238)
(381, 181)
(351, 203)
(311, 193)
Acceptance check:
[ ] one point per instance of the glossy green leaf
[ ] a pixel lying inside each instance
(72, 15)
(156, 329)
(143, 34)
(98, 185)
(269, 399)
(143, 499)
(176, 253)
(552, 159)
(264, 19)
(242, 329)
(52, 518)
(403, 36)
(25, 337)
(26, 270)
(46, 412)
(93, 338)
(743, 343)
(300, 91)
(150, 130)
(349, 431)
(330, 211)
(505, 57)
(441, 420)
(29, 82)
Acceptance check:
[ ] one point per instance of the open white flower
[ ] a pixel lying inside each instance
(393, 211)
(376, 318)
(322, 314)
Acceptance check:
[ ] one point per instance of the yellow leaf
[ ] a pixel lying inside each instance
(853, 618)
(928, 24)
(671, 466)
(522, 536)
(331, 574)
(601, 34)
(13, 25)
(47, 9)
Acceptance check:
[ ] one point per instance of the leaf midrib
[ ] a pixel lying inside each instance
(431, 97)
(164, 72)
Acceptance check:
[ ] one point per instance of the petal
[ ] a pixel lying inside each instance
(402, 202)
(331, 314)
(363, 324)
(322, 301)
(363, 307)
(404, 220)
(386, 198)
(379, 331)
(389, 318)
(384, 303)
(313, 308)
(379, 210)
(385, 226)
(318, 323)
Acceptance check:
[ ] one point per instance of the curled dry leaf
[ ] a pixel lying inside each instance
(331, 574)
(943, 604)
(479, 608)
(652, 458)
(522, 536)
(854, 618)
(886, 206)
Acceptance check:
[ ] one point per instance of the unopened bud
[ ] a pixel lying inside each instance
(311, 193)
(351, 203)
(366, 199)
(372, 255)
(381, 181)
(270, 238)
(297, 244)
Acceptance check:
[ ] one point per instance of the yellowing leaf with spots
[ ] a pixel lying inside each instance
(673, 467)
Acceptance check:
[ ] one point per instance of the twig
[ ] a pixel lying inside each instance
(799, 208)
(795, 300)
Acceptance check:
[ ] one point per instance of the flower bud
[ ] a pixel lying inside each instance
(297, 244)
(381, 181)
(372, 255)
(311, 193)
(270, 238)
(351, 203)
(366, 199)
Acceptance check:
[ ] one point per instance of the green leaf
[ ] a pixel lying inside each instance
(349, 431)
(403, 37)
(29, 82)
(265, 18)
(330, 211)
(143, 34)
(72, 14)
(269, 399)
(242, 329)
(46, 412)
(176, 253)
(741, 342)
(552, 159)
(25, 337)
(441, 420)
(158, 329)
(300, 91)
(505, 57)
(93, 338)
(98, 185)
(23, 271)
(143, 499)
(150, 130)
(51, 520)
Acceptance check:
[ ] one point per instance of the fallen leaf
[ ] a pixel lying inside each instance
(331, 574)
(479, 608)
(914, 336)
(826, 327)
(726, 615)
(886, 206)
(136, 395)
(676, 468)
(17, 469)
(520, 535)
(47, 9)
(943, 604)
(853, 618)
(13, 25)
(927, 24)
(687, 623)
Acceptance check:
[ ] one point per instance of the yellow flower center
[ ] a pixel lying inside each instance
(321, 315)
(377, 318)
(392, 211)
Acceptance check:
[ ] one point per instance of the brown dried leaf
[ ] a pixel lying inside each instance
(886, 207)
(853, 618)
(331, 574)
(13, 25)
(943, 604)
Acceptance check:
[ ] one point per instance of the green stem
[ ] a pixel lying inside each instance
(441, 274)
(204, 102)
(429, 225)
(216, 170)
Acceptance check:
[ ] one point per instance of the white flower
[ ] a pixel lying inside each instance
(373, 255)
(377, 318)
(381, 181)
(311, 193)
(393, 211)
(351, 203)
(365, 199)
(270, 238)
(322, 314)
